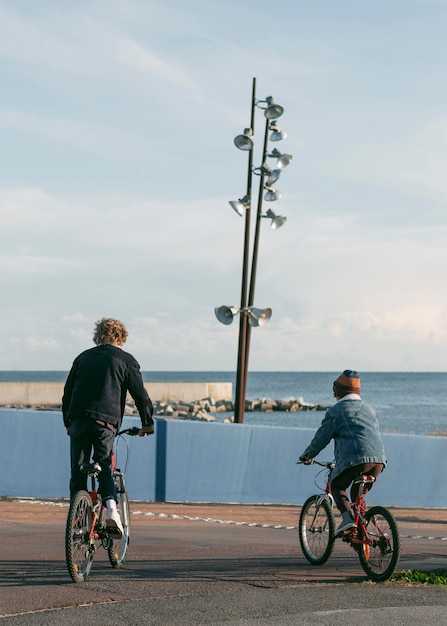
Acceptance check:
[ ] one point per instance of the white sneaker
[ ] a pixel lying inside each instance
(114, 525)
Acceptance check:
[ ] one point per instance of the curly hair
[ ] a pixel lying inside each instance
(108, 330)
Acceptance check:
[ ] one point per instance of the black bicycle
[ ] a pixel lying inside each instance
(86, 529)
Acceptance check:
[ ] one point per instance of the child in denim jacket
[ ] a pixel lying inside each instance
(358, 447)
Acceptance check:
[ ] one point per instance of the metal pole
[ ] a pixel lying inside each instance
(239, 401)
(254, 263)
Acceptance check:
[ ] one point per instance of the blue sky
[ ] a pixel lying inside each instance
(117, 121)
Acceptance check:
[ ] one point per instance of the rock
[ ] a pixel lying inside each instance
(267, 405)
(201, 416)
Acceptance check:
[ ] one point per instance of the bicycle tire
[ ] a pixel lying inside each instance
(117, 548)
(379, 560)
(79, 548)
(316, 530)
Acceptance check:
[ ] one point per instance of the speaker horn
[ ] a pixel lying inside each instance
(225, 314)
(259, 317)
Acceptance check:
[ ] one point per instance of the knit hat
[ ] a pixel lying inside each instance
(348, 382)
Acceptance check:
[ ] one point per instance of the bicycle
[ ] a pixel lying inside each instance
(86, 525)
(375, 536)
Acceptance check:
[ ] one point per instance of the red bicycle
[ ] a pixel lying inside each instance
(375, 537)
(86, 527)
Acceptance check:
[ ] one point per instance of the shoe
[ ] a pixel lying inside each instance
(113, 525)
(344, 526)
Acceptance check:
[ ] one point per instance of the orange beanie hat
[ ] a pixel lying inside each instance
(348, 382)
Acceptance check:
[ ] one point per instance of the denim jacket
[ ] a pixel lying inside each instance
(354, 427)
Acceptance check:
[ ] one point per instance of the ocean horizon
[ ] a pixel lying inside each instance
(406, 402)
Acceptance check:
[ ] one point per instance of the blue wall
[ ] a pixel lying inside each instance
(190, 461)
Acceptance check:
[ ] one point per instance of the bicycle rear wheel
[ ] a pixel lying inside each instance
(316, 530)
(379, 559)
(79, 548)
(117, 548)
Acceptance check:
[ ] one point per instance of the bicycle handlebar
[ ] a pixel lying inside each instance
(327, 464)
(132, 432)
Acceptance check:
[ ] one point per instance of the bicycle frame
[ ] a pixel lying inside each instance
(358, 507)
(98, 528)
(354, 537)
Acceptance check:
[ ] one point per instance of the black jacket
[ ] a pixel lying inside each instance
(98, 383)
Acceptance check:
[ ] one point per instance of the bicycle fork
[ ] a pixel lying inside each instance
(324, 497)
(120, 488)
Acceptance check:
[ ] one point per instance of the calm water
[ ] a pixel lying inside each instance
(405, 402)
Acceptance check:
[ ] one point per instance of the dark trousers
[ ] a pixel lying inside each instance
(87, 435)
(341, 483)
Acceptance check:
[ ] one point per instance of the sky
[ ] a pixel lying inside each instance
(117, 164)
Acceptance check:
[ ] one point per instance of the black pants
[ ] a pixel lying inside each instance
(340, 484)
(85, 435)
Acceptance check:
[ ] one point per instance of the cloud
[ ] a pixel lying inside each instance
(35, 342)
(407, 160)
(134, 55)
(33, 265)
(94, 138)
(416, 323)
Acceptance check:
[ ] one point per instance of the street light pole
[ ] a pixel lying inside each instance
(249, 315)
(241, 372)
(254, 267)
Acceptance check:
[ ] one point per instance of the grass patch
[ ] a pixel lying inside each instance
(418, 577)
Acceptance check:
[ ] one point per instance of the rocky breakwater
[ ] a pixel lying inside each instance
(203, 410)
(200, 410)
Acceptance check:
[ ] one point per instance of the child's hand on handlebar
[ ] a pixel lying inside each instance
(305, 458)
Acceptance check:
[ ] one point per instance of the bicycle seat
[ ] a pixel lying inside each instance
(365, 479)
(91, 468)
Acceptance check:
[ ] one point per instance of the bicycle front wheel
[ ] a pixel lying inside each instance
(79, 547)
(316, 530)
(379, 554)
(117, 548)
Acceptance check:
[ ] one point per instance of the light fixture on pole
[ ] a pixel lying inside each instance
(277, 220)
(241, 205)
(250, 316)
(272, 175)
(259, 317)
(282, 159)
(272, 111)
(272, 194)
(256, 317)
(225, 314)
(277, 133)
(245, 141)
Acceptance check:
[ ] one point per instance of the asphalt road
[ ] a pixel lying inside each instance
(204, 564)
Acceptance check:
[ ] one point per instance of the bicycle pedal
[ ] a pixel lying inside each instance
(344, 534)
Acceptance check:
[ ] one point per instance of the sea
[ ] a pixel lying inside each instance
(405, 402)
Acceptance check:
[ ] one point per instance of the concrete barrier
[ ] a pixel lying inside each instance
(201, 462)
(32, 393)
